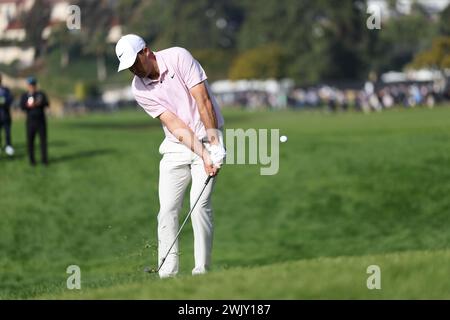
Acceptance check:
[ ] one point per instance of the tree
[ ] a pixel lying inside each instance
(258, 63)
(68, 42)
(444, 25)
(347, 40)
(142, 17)
(35, 21)
(320, 41)
(194, 24)
(400, 40)
(97, 17)
(277, 23)
(208, 28)
(437, 57)
(216, 62)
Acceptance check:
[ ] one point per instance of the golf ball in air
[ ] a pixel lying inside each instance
(283, 138)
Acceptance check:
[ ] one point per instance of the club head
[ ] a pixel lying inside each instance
(150, 270)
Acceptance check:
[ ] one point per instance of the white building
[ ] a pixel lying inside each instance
(11, 29)
(405, 6)
(11, 54)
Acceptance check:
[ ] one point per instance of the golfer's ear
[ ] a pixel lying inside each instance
(147, 51)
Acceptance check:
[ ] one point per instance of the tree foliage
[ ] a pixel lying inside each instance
(444, 22)
(35, 21)
(309, 41)
(437, 57)
(96, 23)
(259, 63)
(320, 41)
(194, 24)
(400, 39)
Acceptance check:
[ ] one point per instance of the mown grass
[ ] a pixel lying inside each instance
(408, 275)
(349, 185)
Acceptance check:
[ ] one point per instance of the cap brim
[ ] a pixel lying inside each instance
(126, 62)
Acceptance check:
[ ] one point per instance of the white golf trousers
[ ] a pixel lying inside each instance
(178, 167)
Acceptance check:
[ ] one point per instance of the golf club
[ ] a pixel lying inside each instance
(151, 270)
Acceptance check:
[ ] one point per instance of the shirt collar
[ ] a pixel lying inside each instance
(162, 70)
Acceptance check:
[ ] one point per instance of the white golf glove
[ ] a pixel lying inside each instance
(217, 154)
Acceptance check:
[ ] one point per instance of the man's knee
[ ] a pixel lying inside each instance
(168, 212)
(202, 211)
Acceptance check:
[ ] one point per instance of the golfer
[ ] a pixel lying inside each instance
(171, 85)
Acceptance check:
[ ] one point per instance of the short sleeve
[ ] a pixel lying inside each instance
(190, 69)
(152, 108)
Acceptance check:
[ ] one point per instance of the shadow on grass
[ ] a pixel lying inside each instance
(20, 149)
(21, 152)
(230, 120)
(102, 125)
(81, 154)
(51, 143)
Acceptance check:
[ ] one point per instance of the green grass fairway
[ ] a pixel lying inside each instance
(407, 275)
(352, 190)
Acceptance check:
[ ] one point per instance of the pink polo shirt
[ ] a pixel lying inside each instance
(179, 72)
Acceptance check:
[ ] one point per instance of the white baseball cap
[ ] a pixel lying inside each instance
(127, 49)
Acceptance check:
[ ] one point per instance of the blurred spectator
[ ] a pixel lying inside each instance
(34, 103)
(6, 100)
(367, 98)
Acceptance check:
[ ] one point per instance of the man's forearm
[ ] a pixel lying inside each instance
(188, 138)
(182, 132)
(208, 117)
(206, 111)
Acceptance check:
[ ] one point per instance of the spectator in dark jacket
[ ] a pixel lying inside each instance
(6, 100)
(34, 103)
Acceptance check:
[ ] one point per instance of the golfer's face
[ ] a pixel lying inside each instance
(142, 67)
(31, 88)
